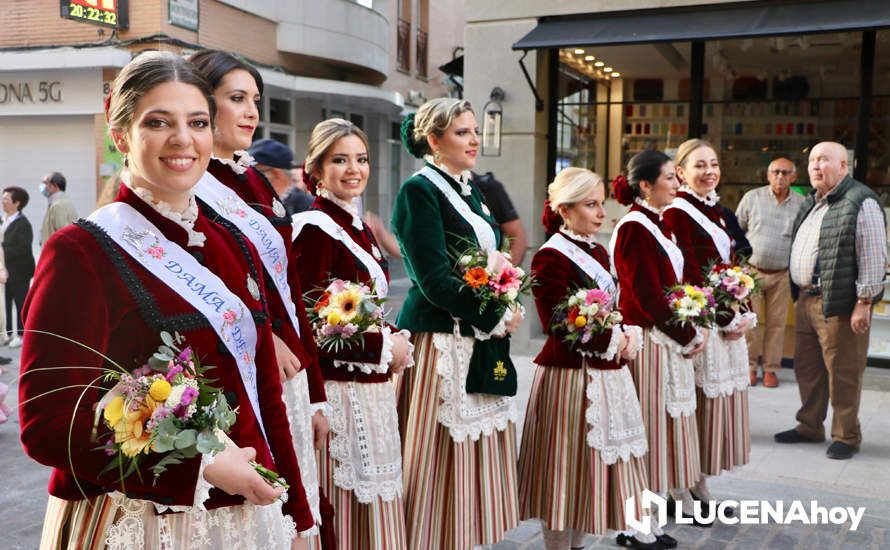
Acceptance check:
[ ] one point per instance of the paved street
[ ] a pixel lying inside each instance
(776, 472)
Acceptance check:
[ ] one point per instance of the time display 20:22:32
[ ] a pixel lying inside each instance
(92, 14)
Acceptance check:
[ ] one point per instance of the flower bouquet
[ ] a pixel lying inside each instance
(343, 313)
(732, 285)
(492, 277)
(692, 305)
(166, 407)
(585, 313)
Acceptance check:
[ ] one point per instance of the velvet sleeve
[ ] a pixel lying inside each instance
(647, 290)
(418, 225)
(313, 370)
(554, 278)
(314, 251)
(277, 426)
(61, 381)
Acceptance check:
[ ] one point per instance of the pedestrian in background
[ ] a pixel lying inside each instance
(18, 237)
(60, 211)
(275, 160)
(835, 290)
(767, 215)
(503, 212)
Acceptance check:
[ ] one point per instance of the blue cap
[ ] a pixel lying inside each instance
(272, 153)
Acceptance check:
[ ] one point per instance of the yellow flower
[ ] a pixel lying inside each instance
(346, 304)
(737, 269)
(333, 318)
(160, 390)
(114, 410)
(580, 321)
(747, 281)
(130, 430)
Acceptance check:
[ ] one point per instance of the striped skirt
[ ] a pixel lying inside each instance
(457, 494)
(377, 525)
(674, 459)
(116, 522)
(563, 480)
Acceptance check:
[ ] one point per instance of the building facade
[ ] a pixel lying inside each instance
(369, 61)
(592, 83)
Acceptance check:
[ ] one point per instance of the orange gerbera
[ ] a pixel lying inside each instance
(476, 277)
(323, 301)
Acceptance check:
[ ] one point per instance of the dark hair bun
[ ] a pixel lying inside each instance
(308, 179)
(417, 150)
(622, 191)
(551, 220)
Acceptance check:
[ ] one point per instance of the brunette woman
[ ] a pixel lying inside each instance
(361, 464)
(240, 197)
(647, 261)
(459, 447)
(721, 374)
(584, 442)
(122, 275)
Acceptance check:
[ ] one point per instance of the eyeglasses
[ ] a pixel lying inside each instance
(778, 172)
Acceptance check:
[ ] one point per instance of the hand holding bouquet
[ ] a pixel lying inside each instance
(732, 285)
(691, 305)
(492, 278)
(166, 407)
(343, 313)
(585, 313)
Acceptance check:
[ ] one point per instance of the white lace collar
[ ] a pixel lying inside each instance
(349, 206)
(587, 239)
(185, 219)
(644, 204)
(710, 199)
(240, 166)
(462, 179)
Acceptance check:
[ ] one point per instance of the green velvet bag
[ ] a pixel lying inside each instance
(491, 369)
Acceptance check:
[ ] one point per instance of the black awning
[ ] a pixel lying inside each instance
(454, 67)
(736, 20)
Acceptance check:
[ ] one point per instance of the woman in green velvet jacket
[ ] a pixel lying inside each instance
(459, 456)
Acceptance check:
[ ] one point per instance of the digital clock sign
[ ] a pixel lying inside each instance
(108, 13)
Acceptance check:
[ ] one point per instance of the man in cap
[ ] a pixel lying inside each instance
(275, 160)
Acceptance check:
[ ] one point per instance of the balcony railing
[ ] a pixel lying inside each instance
(422, 38)
(403, 46)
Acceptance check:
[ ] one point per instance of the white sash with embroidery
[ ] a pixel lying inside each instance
(583, 260)
(181, 272)
(673, 251)
(719, 235)
(332, 228)
(484, 233)
(258, 230)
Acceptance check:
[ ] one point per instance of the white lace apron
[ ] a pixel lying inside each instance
(613, 415)
(246, 527)
(679, 375)
(299, 416)
(365, 439)
(465, 414)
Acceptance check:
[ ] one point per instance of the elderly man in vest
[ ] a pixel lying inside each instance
(838, 259)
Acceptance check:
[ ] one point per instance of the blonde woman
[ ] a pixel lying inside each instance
(584, 441)
(459, 447)
(361, 464)
(721, 372)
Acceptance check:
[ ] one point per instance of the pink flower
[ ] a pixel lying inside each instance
(597, 296)
(229, 317)
(507, 280)
(188, 396)
(240, 213)
(172, 372)
(156, 252)
(279, 267)
(497, 263)
(245, 357)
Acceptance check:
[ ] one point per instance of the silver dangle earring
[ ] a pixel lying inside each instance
(437, 157)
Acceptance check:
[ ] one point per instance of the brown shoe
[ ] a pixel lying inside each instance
(770, 380)
(753, 377)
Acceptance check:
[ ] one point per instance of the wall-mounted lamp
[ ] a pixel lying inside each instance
(493, 114)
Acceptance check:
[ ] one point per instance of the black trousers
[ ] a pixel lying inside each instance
(15, 293)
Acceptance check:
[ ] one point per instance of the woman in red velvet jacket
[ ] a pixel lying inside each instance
(584, 442)
(720, 372)
(237, 88)
(160, 112)
(647, 262)
(361, 467)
